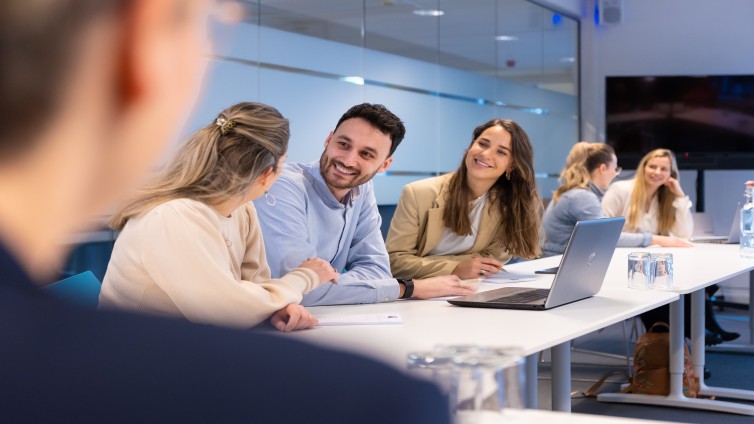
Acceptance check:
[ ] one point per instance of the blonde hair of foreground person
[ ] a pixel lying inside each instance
(218, 162)
(176, 256)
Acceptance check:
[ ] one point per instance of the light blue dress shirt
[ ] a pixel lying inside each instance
(307, 221)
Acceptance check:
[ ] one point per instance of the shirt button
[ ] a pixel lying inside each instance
(229, 243)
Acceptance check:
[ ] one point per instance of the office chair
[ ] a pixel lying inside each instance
(82, 289)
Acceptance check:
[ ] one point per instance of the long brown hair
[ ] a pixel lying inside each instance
(666, 215)
(584, 158)
(517, 198)
(218, 162)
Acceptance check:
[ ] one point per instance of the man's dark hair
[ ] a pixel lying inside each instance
(38, 45)
(381, 118)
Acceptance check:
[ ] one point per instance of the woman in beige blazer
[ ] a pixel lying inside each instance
(470, 222)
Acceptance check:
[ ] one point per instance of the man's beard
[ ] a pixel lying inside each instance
(354, 181)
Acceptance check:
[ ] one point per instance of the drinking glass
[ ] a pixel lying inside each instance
(639, 271)
(661, 269)
(477, 379)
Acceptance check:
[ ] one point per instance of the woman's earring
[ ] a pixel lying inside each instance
(269, 198)
(508, 175)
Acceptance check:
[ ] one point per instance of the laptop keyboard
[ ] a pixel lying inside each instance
(523, 297)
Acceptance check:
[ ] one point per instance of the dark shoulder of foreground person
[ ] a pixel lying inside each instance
(59, 362)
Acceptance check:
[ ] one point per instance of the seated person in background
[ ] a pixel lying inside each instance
(190, 244)
(328, 209)
(590, 168)
(89, 99)
(654, 201)
(469, 222)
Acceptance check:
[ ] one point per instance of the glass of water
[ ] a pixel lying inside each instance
(639, 271)
(661, 269)
(478, 380)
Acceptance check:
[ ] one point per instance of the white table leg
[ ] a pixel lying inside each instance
(676, 397)
(561, 377)
(531, 381)
(697, 344)
(741, 347)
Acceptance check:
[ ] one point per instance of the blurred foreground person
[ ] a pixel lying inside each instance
(92, 91)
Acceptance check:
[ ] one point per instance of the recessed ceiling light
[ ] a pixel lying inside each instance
(429, 12)
(568, 59)
(506, 38)
(353, 80)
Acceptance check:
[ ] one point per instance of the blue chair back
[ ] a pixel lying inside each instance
(82, 289)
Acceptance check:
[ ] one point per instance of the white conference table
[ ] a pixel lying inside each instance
(534, 416)
(427, 323)
(694, 269)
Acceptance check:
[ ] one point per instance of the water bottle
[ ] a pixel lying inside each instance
(747, 223)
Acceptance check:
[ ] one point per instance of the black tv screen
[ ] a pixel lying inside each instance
(707, 121)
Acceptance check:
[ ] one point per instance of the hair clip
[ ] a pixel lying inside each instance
(224, 124)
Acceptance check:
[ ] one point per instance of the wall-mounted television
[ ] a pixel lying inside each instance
(706, 120)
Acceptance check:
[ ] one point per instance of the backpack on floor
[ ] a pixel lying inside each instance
(651, 365)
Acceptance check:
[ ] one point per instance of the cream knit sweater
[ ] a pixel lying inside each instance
(184, 259)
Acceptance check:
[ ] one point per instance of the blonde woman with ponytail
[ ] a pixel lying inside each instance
(190, 244)
(653, 200)
(589, 170)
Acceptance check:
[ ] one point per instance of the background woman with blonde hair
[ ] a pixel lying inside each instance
(469, 222)
(653, 200)
(589, 170)
(191, 245)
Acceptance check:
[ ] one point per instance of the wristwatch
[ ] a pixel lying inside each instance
(409, 284)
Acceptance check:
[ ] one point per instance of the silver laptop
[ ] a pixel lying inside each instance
(580, 274)
(734, 234)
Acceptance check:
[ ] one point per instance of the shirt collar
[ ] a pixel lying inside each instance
(313, 174)
(596, 190)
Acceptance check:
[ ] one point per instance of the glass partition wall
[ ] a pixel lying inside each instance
(443, 66)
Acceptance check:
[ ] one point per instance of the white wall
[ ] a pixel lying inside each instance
(671, 37)
(438, 129)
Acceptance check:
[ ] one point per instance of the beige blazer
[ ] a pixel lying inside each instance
(417, 226)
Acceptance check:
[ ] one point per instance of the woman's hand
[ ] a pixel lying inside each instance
(670, 241)
(324, 270)
(293, 317)
(477, 267)
(675, 187)
(445, 285)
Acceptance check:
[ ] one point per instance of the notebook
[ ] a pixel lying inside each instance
(580, 274)
(734, 234)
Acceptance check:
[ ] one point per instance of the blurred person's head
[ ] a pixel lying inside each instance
(361, 145)
(92, 92)
(236, 158)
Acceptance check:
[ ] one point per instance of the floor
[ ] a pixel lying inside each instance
(728, 370)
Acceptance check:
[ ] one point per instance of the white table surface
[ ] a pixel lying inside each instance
(694, 269)
(533, 416)
(427, 323)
